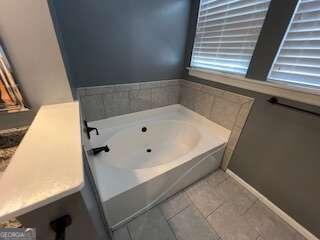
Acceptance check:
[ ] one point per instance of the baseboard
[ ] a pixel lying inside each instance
(293, 223)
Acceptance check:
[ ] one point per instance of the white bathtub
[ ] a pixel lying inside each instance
(183, 147)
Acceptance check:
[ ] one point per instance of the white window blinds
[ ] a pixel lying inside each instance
(227, 32)
(298, 60)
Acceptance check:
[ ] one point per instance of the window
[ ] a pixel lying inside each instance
(10, 97)
(227, 32)
(298, 60)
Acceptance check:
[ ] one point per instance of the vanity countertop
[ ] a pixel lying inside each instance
(47, 165)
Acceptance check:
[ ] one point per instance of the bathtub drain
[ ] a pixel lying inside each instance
(149, 150)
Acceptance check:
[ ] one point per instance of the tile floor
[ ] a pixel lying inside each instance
(215, 208)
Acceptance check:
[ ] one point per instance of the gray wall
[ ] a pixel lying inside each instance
(110, 42)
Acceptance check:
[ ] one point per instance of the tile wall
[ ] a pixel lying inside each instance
(228, 109)
(225, 108)
(112, 100)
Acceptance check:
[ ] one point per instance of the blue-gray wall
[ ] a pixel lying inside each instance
(111, 41)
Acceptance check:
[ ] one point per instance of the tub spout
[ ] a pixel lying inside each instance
(100, 149)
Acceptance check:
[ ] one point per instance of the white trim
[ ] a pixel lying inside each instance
(293, 223)
(284, 39)
(293, 92)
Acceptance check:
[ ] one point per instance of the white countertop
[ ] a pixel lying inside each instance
(47, 165)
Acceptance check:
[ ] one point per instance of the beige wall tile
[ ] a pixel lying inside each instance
(243, 114)
(224, 112)
(173, 94)
(99, 90)
(126, 87)
(203, 103)
(234, 137)
(159, 97)
(187, 97)
(93, 107)
(140, 99)
(234, 97)
(212, 90)
(226, 158)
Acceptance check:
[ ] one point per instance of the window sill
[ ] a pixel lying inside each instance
(292, 92)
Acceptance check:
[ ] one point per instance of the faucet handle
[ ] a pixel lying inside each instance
(89, 129)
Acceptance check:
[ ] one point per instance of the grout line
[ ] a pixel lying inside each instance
(167, 221)
(259, 236)
(210, 226)
(173, 232)
(215, 209)
(177, 213)
(224, 180)
(129, 233)
(205, 218)
(251, 206)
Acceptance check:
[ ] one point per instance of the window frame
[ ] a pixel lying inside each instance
(277, 21)
(287, 83)
(227, 71)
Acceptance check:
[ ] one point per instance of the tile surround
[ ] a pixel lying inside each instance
(112, 100)
(239, 216)
(225, 108)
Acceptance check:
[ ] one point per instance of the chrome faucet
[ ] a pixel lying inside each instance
(97, 150)
(89, 129)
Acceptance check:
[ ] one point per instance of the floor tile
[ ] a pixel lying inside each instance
(217, 177)
(204, 197)
(174, 205)
(151, 225)
(230, 225)
(231, 191)
(121, 234)
(191, 225)
(269, 225)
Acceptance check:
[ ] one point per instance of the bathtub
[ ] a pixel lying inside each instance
(153, 154)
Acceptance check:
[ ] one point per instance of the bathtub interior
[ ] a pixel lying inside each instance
(146, 144)
(178, 138)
